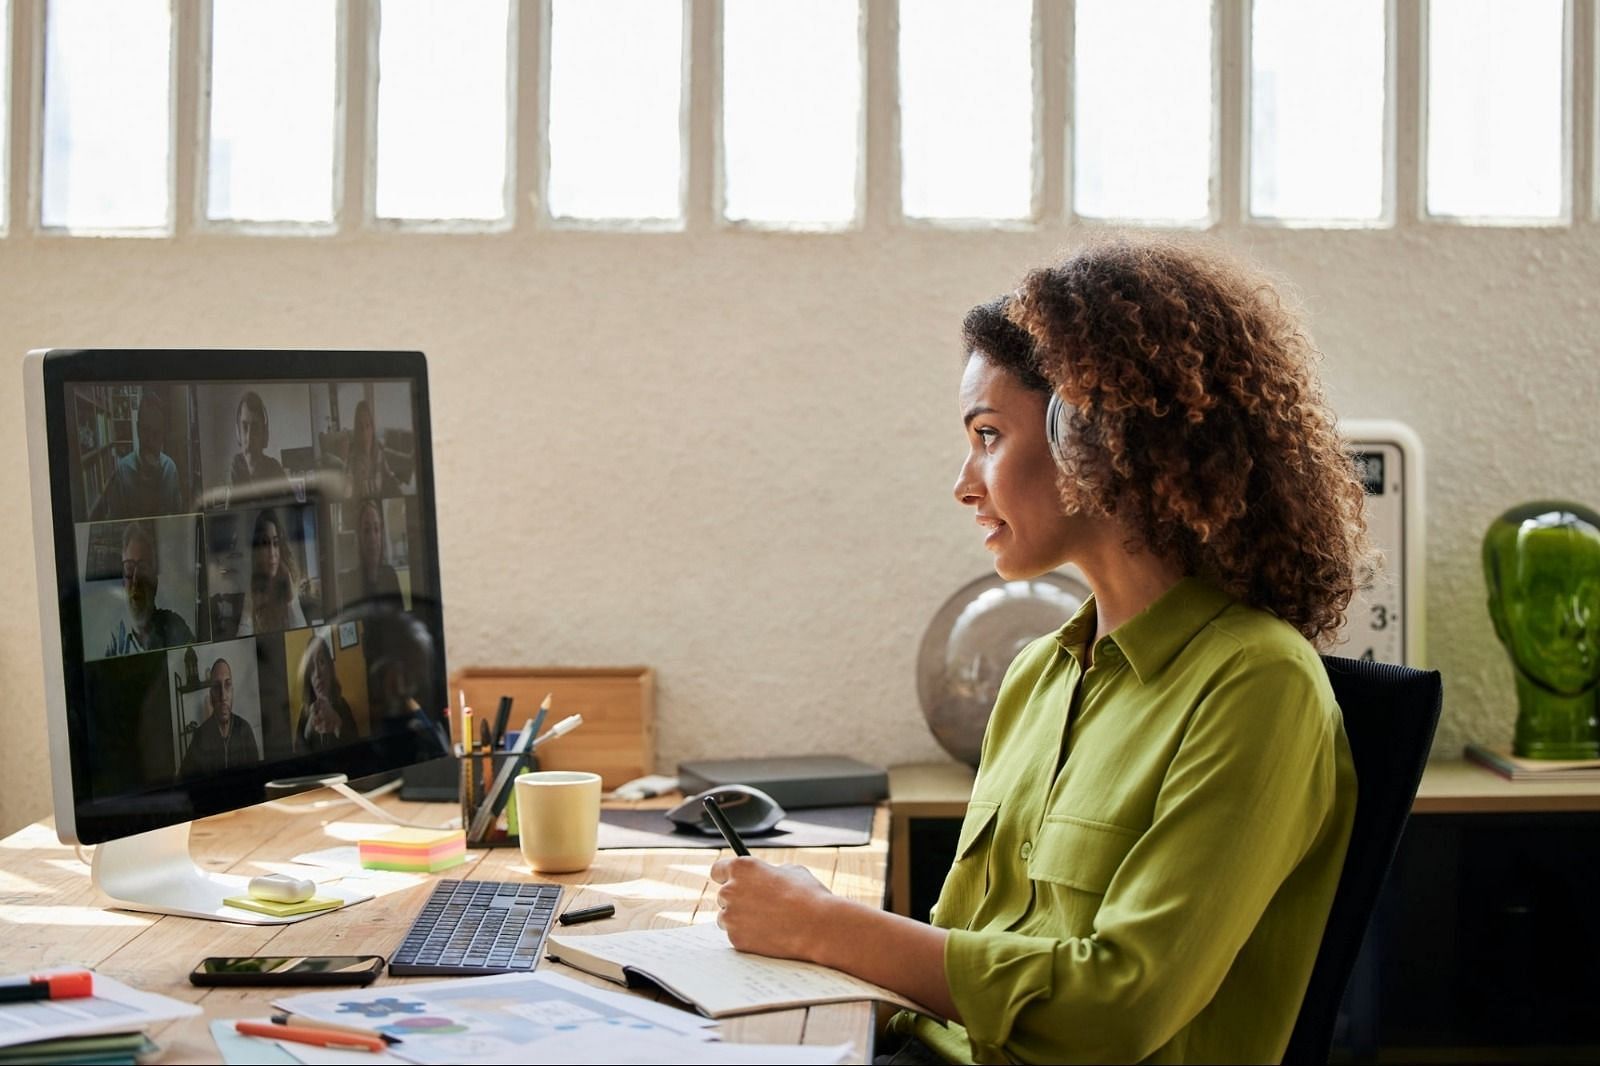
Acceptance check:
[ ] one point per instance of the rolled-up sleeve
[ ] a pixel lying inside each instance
(1249, 791)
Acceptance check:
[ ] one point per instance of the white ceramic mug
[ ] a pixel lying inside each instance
(558, 819)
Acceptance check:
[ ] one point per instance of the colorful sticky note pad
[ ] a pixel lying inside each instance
(415, 850)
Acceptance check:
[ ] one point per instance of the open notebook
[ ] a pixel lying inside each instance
(696, 964)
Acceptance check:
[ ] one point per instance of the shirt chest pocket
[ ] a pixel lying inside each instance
(1072, 864)
(968, 880)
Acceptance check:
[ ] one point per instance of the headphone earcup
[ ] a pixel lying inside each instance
(1055, 428)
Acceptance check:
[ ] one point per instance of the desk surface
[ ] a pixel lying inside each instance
(51, 915)
(1449, 786)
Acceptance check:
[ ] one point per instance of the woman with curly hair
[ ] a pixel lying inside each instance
(1165, 793)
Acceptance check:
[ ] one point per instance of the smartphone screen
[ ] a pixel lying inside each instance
(288, 969)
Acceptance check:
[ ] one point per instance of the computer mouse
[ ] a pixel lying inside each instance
(749, 810)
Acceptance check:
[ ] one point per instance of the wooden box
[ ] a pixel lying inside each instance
(618, 737)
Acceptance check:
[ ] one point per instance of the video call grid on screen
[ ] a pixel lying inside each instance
(243, 553)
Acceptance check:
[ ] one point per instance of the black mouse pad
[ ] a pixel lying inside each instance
(818, 827)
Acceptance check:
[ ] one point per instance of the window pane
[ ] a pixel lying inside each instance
(273, 88)
(442, 105)
(1494, 108)
(107, 119)
(791, 110)
(1316, 109)
(966, 109)
(5, 112)
(616, 74)
(1142, 109)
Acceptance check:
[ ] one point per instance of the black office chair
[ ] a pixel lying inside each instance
(1389, 715)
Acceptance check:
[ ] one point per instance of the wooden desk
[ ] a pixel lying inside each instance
(50, 915)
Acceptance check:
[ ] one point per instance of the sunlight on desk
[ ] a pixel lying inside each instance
(644, 889)
(32, 914)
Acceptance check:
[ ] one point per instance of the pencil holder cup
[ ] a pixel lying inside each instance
(483, 805)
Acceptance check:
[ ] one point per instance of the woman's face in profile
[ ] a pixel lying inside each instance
(1009, 476)
(269, 550)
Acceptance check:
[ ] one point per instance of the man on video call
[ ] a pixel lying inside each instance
(145, 481)
(223, 740)
(146, 627)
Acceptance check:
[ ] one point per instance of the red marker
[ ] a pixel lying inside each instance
(75, 985)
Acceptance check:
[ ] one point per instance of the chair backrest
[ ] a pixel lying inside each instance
(1389, 716)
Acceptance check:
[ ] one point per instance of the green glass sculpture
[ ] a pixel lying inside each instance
(1542, 564)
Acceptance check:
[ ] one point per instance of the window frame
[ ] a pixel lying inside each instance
(1565, 215)
(201, 163)
(363, 57)
(1388, 176)
(171, 226)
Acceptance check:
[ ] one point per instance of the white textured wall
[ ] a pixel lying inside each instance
(729, 455)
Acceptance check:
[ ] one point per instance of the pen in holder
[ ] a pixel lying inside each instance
(486, 783)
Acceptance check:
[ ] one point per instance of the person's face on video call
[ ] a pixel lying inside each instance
(152, 434)
(269, 551)
(1009, 476)
(139, 578)
(222, 691)
(252, 431)
(321, 674)
(370, 538)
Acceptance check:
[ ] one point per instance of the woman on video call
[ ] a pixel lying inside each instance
(325, 715)
(365, 465)
(1165, 793)
(272, 601)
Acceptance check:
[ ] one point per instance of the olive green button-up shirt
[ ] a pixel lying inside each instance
(1152, 846)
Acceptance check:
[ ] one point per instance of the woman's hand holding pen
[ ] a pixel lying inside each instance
(771, 910)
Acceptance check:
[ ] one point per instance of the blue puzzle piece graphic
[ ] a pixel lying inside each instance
(382, 1008)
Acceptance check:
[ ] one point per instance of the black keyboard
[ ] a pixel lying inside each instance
(477, 927)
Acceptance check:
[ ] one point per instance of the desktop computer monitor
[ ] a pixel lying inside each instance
(238, 583)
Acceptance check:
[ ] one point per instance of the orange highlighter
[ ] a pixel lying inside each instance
(300, 1034)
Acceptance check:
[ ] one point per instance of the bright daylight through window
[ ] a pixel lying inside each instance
(443, 98)
(107, 115)
(791, 111)
(274, 70)
(966, 110)
(1142, 110)
(1495, 109)
(1317, 154)
(616, 125)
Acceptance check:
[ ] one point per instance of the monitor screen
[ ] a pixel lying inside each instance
(246, 576)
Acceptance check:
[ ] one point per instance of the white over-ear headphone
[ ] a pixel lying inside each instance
(1055, 428)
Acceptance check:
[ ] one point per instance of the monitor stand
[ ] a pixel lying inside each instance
(154, 872)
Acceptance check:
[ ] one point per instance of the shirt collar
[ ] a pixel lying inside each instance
(1154, 637)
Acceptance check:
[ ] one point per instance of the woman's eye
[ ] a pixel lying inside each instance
(986, 435)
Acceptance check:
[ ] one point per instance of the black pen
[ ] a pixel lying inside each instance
(587, 914)
(502, 718)
(724, 827)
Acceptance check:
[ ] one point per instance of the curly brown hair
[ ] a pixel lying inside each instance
(1197, 419)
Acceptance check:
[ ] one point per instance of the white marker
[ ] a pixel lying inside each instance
(566, 725)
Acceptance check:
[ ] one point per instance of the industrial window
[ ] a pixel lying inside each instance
(106, 159)
(966, 110)
(443, 100)
(1142, 111)
(1317, 100)
(272, 131)
(791, 111)
(1495, 109)
(615, 109)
